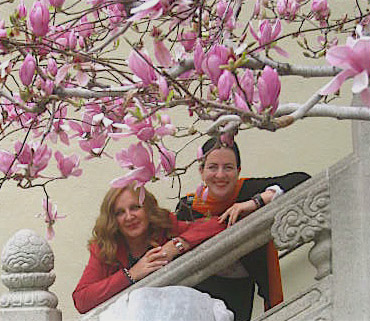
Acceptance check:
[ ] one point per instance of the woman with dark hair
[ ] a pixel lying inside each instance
(229, 198)
(127, 244)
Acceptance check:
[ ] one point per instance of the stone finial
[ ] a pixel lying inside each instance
(27, 262)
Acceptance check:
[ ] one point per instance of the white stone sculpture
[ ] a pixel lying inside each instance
(168, 303)
(27, 263)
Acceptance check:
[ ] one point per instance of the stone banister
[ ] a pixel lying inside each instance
(302, 215)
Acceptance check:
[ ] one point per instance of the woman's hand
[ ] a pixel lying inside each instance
(152, 261)
(170, 251)
(236, 210)
(244, 208)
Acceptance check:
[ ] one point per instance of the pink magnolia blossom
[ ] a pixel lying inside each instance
(200, 153)
(39, 19)
(269, 90)
(198, 57)
(52, 67)
(140, 162)
(218, 55)
(162, 54)
(268, 33)
(150, 8)
(227, 139)
(22, 10)
(27, 70)
(229, 20)
(168, 159)
(57, 3)
(93, 143)
(116, 14)
(353, 58)
(288, 8)
(59, 129)
(225, 84)
(240, 103)
(187, 39)
(33, 157)
(141, 66)
(163, 87)
(68, 165)
(202, 191)
(85, 28)
(50, 216)
(246, 82)
(6, 162)
(320, 9)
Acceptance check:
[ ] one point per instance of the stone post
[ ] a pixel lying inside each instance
(350, 201)
(27, 263)
(306, 219)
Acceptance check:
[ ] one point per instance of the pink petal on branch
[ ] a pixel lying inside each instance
(247, 86)
(269, 89)
(167, 159)
(141, 66)
(6, 161)
(50, 216)
(52, 67)
(27, 70)
(24, 152)
(163, 87)
(221, 8)
(162, 54)
(225, 83)
(337, 82)
(198, 57)
(82, 78)
(22, 10)
(57, 3)
(68, 165)
(62, 74)
(187, 39)
(200, 153)
(240, 103)
(146, 133)
(360, 82)
(39, 19)
(353, 58)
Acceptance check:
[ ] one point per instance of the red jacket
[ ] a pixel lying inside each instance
(100, 281)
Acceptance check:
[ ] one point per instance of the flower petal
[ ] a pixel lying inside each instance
(360, 82)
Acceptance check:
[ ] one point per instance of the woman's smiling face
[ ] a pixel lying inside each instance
(132, 220)
(220, 173)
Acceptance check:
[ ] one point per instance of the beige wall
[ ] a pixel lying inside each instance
(310, 145)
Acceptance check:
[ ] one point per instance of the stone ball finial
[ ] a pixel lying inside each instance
(27, 263)
(27, 252)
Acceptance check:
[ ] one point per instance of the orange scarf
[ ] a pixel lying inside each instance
(215, 207)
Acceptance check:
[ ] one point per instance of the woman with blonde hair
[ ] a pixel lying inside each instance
(131, 240)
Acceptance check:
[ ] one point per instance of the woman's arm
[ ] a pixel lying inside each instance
(240, 210)
(96, 285)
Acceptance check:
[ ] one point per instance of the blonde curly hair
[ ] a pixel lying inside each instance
(106, 232)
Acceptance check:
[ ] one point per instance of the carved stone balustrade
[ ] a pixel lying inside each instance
(306, 218)
(27, 263)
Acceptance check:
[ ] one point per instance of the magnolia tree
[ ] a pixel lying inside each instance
(64, 77)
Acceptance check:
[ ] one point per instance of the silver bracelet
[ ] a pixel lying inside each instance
(127, 273)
